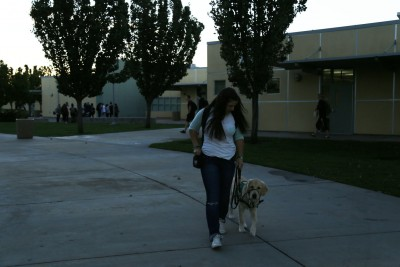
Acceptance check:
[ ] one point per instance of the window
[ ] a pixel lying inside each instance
(166, 104)
(338, 75)
(273, 86)
(218, 86)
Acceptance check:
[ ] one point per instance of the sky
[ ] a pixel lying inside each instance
(19, 46)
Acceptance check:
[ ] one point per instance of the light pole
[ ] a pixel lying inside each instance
(113, 93)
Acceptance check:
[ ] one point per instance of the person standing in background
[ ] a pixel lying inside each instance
(111, 107)
(65, 112)
(116, 110)
(322, 110)
(192, 107)
(202, 102)
(57, 112)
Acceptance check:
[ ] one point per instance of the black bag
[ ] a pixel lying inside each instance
(198, 161)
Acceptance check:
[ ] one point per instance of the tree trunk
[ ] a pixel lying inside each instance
(79, 119)
(254, 121)
(148, 114)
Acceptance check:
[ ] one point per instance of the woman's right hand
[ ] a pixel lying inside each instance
(197, 151)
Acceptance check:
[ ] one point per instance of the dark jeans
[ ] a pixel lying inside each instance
(217, 177)
(322, 124)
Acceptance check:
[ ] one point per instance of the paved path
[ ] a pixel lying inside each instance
(110, 200)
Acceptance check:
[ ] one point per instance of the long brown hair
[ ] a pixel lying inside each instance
(218, 109)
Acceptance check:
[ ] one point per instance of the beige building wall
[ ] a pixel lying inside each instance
(309, 50)
(194, 76)
(345, 42)
(338, 44)
(216, 69)
(379, 39)
(290, 110)
(377, 102)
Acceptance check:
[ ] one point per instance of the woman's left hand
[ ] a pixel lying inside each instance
(239, 162)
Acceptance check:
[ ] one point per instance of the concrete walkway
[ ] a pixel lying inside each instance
(110, 200)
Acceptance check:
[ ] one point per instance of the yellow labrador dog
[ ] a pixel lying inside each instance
(249, 196)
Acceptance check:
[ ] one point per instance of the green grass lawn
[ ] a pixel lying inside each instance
(45, 129)
(370, 165)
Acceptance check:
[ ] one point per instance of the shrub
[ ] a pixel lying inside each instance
(10, 115)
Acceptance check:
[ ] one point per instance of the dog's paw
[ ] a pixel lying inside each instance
(253, 231)
(242, 227)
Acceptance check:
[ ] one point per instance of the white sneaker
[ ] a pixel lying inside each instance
(222, 229)
(216, 242)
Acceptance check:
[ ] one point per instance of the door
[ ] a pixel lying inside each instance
(341, 101)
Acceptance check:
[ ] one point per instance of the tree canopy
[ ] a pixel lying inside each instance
(253, 39)
(17, 88)
(164, 40)
(83, 39)
(5, 83)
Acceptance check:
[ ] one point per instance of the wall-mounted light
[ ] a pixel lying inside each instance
(398, 15)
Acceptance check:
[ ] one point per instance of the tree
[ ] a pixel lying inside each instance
(36, 83)
(253, 39)
(83, 39)
(5, 83)
(16, 88)
(20, 88)
(164, 41)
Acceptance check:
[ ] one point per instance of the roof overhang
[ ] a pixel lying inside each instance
(191, 84)
(386, 60)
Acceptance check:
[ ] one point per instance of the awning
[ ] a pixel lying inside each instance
(386, 60)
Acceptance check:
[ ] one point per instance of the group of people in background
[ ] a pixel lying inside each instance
(107, 110)
(67, 113)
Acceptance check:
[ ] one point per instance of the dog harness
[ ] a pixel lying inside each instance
(246, 199)
(237, 193)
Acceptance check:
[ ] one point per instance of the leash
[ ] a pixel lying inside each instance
(236, 188)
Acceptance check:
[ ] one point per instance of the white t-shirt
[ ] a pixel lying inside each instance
(224, 148)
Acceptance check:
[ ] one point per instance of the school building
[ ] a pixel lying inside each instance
(356, 67)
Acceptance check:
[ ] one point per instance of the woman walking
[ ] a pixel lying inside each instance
(222, 149)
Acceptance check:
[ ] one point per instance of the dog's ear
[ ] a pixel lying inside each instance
(264, 188)
(244, 188)
(249, 185)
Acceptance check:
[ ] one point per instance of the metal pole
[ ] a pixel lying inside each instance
(113, 115)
